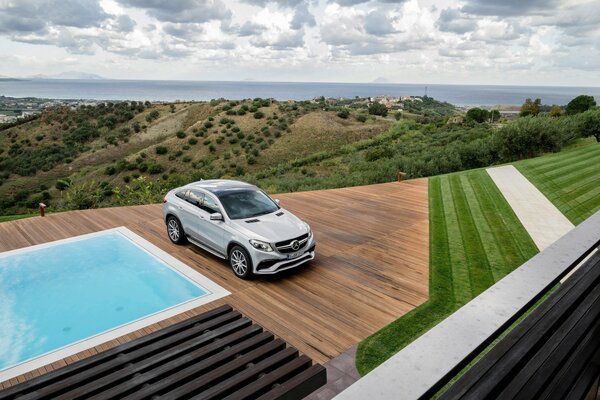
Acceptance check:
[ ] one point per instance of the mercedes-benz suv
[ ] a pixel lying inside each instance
(238, 222)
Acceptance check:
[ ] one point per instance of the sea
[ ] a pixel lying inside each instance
(156, 90)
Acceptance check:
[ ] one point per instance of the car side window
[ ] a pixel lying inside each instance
(195, 198)
(181, 194)
(210, 205)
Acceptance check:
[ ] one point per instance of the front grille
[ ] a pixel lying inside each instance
(285, 246)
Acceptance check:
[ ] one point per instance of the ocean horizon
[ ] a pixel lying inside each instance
(109, 89)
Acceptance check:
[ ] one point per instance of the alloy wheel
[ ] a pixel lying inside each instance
(239, 263)
(173, 228)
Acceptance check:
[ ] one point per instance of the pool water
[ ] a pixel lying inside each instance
(54, 296)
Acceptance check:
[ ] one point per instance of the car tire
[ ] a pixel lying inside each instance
(175, 230)
(240, 262)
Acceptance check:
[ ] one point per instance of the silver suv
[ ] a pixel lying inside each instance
(238, 222)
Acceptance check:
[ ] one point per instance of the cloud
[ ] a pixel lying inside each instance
(302, 17)
(280, 41)
(280, 3)
(182, 11)
(453, 20)
(26, 16)
(503, 8)
(350, 3)
(378, 23)
(124, 23)
(249, 28)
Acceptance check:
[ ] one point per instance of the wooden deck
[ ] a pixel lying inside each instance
(372, 265)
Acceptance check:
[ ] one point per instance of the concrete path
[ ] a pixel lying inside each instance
(540, 218)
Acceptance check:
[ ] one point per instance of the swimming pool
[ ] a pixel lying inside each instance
(63, 297)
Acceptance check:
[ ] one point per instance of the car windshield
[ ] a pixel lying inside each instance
(247, 204)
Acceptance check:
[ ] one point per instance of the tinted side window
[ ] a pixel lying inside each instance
(181, 194)
(209, 205)
(195, 198)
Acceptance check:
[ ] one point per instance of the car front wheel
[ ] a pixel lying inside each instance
(240, 262)
(175, 230)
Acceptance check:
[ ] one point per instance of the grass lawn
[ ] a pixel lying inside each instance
(569, 179)
(4, 218)
(475, 240)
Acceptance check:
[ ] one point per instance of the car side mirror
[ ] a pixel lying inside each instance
(216, 217)
(277, 201)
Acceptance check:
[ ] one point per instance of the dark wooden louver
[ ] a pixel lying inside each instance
(216, 355)
(554, 353)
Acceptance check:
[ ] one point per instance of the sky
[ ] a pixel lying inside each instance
(520, 42)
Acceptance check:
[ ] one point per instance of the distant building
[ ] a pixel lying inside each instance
(456, 120)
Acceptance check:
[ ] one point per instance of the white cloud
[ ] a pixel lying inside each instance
(494, 41)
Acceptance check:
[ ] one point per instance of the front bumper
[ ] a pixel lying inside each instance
(269, 265)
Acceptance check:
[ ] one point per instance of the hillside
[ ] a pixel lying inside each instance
(132, 153)
(96, 155)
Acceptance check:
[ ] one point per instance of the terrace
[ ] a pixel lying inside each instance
(372, 266)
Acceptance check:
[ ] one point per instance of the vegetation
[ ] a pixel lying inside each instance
(531, 107)
(293, 146)
(580, 104)
(475, 240)
(378, 109)
(569, 179)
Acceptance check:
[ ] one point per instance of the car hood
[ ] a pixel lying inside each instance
(272, 228)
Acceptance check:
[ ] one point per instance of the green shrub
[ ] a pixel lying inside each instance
(259, 114)
(186, 159)
(155, 168)
(180, 134)
(161, 150)
(378, 109)
(110, 170)
(343, 114)
(192, 141)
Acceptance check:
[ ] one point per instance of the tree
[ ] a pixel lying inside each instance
(589, 124)
(494, 115)
(580, 104)
(477, 114)
(378, 109)
(555, 111)
(531, 107)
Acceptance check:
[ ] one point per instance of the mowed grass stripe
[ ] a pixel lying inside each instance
(477, 263)
(461, 281)
(565, 176)
(570, 179)
(542, 165)
(465, 209)
(484, 228)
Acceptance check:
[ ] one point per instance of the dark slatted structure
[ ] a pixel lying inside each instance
(216, 355)
(554, 353)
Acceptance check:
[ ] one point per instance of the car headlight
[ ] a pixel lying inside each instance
(257, 244)
(309, 231)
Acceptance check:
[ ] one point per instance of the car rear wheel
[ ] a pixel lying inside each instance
(175, 230)
(240, 262)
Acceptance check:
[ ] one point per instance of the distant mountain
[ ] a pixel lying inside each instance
(381, 79)
(8, 78)
(68, 75)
